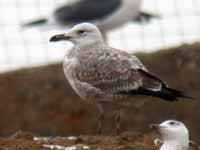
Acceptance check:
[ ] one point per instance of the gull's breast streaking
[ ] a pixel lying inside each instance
(97, 71)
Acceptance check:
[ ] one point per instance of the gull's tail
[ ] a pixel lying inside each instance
(37, 22)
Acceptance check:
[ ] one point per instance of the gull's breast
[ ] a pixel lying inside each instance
(83, 89)
(69, 65)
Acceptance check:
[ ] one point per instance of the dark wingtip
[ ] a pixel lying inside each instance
(145, 17)
(187, 97)
(34, 23)
(176, 94)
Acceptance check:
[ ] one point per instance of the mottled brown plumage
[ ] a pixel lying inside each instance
(107, 71)
(99, 72)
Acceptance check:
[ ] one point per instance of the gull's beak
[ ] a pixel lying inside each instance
(154, 126)
(59, 37)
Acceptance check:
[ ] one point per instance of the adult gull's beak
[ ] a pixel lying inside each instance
(59, 37)
(154, 126)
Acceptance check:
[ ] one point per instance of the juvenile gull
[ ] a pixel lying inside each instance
(97, 71)
(174, 134)
(106, 14)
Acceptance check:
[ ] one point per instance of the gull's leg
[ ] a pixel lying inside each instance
(105, 37)
(118, 121)
(100, 118)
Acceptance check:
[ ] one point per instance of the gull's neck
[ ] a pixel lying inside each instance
(90, 44)
(80, 49)
(175, 145)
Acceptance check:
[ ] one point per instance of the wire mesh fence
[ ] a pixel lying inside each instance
(179, 23)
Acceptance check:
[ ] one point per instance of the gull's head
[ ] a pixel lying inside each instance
(172, 130)
(81, 35)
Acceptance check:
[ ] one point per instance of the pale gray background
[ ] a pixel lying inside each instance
(180, 24)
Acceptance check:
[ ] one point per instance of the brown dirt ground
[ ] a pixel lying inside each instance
(126, 141)
(40, 100)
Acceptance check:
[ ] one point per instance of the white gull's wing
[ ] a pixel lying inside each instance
(86, 10)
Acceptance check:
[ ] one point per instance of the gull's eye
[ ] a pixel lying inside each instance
(172, 123)
(81, 32)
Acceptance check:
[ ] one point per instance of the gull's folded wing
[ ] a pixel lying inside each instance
(86, 10)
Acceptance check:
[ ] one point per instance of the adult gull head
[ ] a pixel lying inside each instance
(174, 134)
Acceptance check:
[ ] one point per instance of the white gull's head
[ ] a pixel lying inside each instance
(83, 34)
(174, 134)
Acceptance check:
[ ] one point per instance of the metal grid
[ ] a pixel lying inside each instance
(180, 23)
